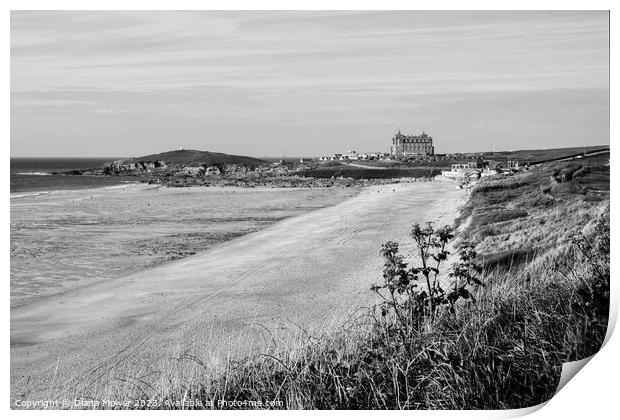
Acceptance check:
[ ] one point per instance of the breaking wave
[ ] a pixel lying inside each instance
(33, 173)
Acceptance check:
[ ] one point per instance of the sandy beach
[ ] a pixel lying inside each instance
(309, 271)
(63, 239)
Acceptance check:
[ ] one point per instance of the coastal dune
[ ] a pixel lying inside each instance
(306, 272)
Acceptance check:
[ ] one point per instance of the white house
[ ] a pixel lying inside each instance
(461, 174)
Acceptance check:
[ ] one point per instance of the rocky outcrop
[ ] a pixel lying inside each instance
(130, 165)
(192, 171)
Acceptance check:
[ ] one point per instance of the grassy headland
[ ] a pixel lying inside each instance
(543, 242)
(181, 168)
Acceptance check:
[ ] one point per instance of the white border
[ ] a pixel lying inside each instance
(592, 394)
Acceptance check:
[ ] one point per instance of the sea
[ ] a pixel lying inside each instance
(36, 175)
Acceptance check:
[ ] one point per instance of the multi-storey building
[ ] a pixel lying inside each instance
(409, 145)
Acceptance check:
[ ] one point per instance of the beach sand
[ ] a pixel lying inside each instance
(71, 238)
(310, 271)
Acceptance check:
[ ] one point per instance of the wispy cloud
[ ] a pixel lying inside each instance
(214, 76)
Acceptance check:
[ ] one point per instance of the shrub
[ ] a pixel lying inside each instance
(401, 294)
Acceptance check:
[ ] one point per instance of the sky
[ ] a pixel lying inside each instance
(305, 83)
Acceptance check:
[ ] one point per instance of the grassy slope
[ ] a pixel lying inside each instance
(197, 157)
(520, 217)
(534, 313)
(535, 155)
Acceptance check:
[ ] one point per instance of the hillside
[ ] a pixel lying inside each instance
(541, 155)
(518, 218)
(197, 157)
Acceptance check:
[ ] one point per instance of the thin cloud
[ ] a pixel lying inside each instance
(215, 75)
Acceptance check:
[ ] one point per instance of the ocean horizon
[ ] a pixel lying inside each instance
(36, 175)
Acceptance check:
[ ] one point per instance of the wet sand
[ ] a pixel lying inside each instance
(311, 270)
(66, 239)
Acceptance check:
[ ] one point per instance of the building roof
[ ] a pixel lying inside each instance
(423, 137)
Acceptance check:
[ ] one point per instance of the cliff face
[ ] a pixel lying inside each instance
(161, 168)
(132, 165)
